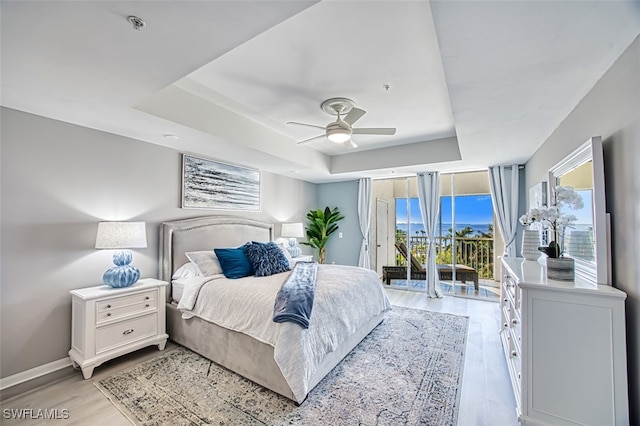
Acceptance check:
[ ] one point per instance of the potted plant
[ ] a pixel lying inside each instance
(552, 218)
(322, 223)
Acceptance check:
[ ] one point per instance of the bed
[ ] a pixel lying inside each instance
(247, 353)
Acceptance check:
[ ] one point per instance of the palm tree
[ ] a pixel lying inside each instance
(464, 232)
(488, 234)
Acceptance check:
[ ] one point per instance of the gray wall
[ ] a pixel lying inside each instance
(344, 195)
(58, 181)
(611, 110)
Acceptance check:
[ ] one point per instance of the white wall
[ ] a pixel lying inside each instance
(611, 110)
(58, 181)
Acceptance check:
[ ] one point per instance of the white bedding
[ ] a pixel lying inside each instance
(346, 297)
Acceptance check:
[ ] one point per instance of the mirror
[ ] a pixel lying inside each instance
(586, 241)
(580, 240)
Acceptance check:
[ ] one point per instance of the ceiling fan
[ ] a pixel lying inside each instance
(340, 131)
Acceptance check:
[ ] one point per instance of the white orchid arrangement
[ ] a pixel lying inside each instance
(553, 219)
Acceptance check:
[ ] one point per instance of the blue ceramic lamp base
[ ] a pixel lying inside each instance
(293, 248)
(123, 274)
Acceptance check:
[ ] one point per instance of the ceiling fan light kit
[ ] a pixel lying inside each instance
(340, 131)
(338, 135)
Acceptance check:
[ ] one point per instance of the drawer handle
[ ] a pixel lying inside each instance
(108, 314)
(108, 306)
(129, 331)
(506, 325)
(514, 321)
(146, 298)
(513, 353)
(146, 306)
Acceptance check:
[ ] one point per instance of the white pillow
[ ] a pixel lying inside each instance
(283, 246)
(206, 261)
(188, 270)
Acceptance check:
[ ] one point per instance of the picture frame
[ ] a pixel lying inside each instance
(214, 185)
(538, 195)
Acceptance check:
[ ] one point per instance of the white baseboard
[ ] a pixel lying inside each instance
(34, 373)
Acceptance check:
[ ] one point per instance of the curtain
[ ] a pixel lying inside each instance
(364, 215)
(503, 182)
(429, 197)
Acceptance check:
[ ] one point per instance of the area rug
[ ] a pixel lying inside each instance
(408, 371)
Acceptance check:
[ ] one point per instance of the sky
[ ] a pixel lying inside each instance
(478, 210)
(584, 215)
(470, 209)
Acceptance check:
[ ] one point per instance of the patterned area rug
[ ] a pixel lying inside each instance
(408, 371)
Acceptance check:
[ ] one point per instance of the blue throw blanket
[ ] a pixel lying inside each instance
(294, 301)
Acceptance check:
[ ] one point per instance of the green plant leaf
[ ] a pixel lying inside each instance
(322, 223)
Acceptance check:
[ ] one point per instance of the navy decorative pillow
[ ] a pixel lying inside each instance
(266, 258)
(234, 262)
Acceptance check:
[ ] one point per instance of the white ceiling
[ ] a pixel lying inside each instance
(471, 84)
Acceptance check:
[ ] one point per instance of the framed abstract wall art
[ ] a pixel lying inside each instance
(208, 184)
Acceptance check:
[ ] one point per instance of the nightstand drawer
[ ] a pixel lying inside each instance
(121, 333)
(112, 309)
(109, 322)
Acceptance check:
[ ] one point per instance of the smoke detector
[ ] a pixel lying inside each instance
(137, 23)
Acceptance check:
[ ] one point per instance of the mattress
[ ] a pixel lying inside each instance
(177, 289)
(180, 285)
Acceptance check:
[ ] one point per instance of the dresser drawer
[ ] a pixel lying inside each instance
(516, 328)
(124, 332)
(121, 307)
(510, 287)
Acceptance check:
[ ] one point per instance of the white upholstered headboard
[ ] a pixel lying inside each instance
(205, 233)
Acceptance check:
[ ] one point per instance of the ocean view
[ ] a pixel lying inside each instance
(445, 227)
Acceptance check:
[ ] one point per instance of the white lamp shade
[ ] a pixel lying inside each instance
(121, 235)
(294, 230)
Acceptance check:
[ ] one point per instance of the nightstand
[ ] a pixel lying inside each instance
(108, 322)
(305, 258)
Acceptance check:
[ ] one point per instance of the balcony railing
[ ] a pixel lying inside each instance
(476, 253)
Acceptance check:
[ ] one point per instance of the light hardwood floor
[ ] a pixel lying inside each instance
(486, 397)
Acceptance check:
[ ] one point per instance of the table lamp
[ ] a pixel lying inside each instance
(293, 231)
(121, 236)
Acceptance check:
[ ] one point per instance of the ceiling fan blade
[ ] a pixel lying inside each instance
(305, 124)
(312, 139)
(354, 115)
(350, 143)
(375, 131)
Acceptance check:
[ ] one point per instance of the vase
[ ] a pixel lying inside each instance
(530, 243)
(561, 268)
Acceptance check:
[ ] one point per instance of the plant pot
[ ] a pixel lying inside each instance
(561, 268)
(530, 243)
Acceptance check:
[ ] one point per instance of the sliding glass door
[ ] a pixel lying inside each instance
(408, 227)
(467, 240)
(464, 234)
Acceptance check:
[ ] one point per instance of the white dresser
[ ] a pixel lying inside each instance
(565, 347)
(108, 322)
